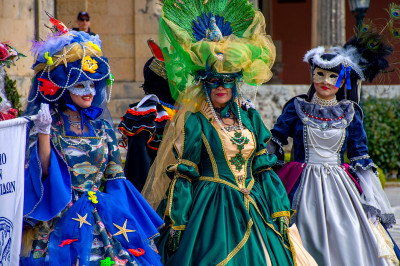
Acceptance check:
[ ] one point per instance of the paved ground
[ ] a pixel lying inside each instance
(393, 193)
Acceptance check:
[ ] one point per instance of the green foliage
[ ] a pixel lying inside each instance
(382, 125)
(12, 94)
(382, 177)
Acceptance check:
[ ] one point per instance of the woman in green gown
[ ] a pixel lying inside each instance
(224, 205)
(224, 201)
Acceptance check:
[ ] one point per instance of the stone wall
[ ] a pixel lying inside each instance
(17, 25)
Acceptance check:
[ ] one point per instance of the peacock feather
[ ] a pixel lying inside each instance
(394, 11)
(205, 18)
(373, 46)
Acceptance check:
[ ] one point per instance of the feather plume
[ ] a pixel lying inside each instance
(231, 16)
(374, 48)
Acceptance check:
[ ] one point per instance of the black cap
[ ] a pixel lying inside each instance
(83, 14)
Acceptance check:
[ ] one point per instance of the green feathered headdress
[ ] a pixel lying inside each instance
(230, 34)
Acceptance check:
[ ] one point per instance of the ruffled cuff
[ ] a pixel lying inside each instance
(185, 169)
(387, 219)
(362, 162)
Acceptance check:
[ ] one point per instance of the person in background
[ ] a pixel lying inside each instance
(143, 124)
(83, 22)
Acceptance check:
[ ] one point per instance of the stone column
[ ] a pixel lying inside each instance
(328, 22)
(255, 2)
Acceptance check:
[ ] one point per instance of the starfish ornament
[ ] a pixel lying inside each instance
(81, 220)
(63, 57)
(123, 230)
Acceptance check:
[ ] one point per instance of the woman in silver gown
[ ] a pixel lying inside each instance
(341, 208)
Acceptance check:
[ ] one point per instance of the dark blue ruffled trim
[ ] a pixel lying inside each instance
(344, 107)
(364, 164)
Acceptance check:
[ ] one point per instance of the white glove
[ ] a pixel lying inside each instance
(43, 120)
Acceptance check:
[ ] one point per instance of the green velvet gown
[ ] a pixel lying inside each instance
(226, 218)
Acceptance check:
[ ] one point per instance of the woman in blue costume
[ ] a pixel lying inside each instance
(340, 208)
(79, 209)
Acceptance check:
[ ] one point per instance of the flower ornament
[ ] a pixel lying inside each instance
(89, 64)
(8, 55)
(48, 87)
(4, 54)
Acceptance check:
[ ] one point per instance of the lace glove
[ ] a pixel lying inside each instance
(173, 240)
(43, 120)
(283, 223)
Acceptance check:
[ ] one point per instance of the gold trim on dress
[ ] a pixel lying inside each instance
(280, 214)
(239, 246)
(205, 111)
(169, 203)
(168, 209)
(211, 155)
(184, 161)
(263, 151)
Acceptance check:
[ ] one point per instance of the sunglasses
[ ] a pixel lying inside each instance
(84, 19)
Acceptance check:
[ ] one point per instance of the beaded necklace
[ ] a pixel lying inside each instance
(238, 139)
(322, 102)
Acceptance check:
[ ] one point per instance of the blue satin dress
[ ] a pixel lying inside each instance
(85, 211)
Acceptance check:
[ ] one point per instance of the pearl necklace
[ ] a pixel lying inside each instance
(314, 142)
(238, 139)
(219, 121)
(323, 102)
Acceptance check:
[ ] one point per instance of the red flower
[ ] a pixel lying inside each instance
(4, 54)
(48, 87)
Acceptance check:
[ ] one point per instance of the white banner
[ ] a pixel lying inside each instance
(12, 159)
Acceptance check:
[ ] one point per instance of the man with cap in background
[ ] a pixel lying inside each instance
(84, 23)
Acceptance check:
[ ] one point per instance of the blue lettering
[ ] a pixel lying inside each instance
(6, 188)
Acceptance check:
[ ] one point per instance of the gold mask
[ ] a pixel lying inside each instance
(322, 75)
